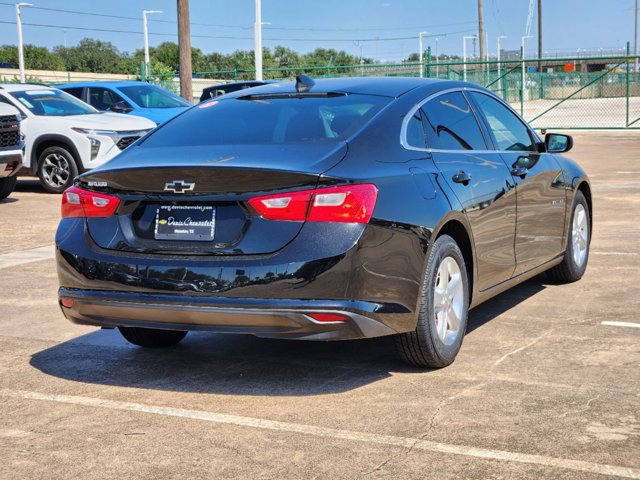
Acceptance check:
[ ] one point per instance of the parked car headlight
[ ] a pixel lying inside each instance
(112, 134)
(95, 143)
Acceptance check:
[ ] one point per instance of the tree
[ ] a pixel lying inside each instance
(35, 58)
(90, 56)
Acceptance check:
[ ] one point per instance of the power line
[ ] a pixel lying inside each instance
(221, 37)
(244, 27)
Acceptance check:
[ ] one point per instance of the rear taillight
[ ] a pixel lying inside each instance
(347, 204)
(77, 202)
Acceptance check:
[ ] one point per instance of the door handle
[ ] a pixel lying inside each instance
(461, 177)
(519, 172)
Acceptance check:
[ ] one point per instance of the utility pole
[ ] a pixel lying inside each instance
(540, 34)
(258, 41)
(184, 48)
(145, 29)
(20, 46)
(481, 30)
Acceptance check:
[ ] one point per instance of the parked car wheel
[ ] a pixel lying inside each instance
(152, 337)
(576, 255)
(7, 185)
(442, 318)
(56, 169)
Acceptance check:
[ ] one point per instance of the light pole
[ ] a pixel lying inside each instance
(437, 60)
(464, 53)
(20, 46)
(635, 37)
(522, 45)
(258, 40)
(421, 52)
(500, 37)
(147, 60)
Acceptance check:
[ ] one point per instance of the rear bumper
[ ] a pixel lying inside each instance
(260, 317)
(371, 275)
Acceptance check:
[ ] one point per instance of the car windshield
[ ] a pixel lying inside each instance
(268, 120)
(150, 96)
(51, 102)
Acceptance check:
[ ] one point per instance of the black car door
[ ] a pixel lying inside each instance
(538, 175)
(479, 179)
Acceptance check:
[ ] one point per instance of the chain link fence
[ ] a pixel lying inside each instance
(572, 93)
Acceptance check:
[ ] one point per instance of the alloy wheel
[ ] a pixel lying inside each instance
(448, 301)
(580, 235)
(56, 170)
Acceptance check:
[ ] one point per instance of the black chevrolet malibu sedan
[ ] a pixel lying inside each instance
(326, 210)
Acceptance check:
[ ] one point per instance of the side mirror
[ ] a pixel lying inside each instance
(120, 107)
(558, 143)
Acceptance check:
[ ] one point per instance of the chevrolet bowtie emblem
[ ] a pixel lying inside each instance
(179, 186)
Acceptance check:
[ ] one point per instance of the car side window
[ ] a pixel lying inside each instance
(76, 92)
(102, 98)
(415, 130)
(509, 133)
(451, 124)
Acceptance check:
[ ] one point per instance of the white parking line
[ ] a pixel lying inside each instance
(389, 440)
(27, 256)
(632, 254)
(621, 324)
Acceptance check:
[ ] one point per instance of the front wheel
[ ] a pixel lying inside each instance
(152, 337)
(56, 169)
(442, 319)
(7, 186)
(576, 255)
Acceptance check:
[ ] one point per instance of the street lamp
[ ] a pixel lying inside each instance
(421, 52)
(258, 41)
(464, 53)
(20, 46)
(500, 37)
(522, 45)
(147, 61)
(437, 60)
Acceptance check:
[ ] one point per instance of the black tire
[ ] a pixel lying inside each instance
(423, 347)
(569, 270)
(7, 185)
(56, 169)
(152, 337)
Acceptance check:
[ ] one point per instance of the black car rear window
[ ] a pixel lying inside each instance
(268, 120)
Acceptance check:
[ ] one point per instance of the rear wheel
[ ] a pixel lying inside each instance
(152, 337)
(56, 169)
(576, 255)
(442, 318)
(6, 186)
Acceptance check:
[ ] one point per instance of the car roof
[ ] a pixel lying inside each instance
(383, 86)
(105, 83)
(20, 87)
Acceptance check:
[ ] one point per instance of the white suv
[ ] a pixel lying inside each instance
(11, 149)
(65, 136)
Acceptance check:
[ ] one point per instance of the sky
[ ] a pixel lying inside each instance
(385, 30)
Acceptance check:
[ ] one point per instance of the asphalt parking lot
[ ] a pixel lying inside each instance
(547, 384)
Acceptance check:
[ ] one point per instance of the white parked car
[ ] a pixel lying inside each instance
(11, 149)
(65, 136)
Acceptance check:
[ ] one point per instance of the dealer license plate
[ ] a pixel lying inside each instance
(185, 222)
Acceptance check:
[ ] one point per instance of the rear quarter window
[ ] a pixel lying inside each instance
(450, 124)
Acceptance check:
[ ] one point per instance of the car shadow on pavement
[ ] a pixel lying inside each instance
(30, 185)
(243, 364)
